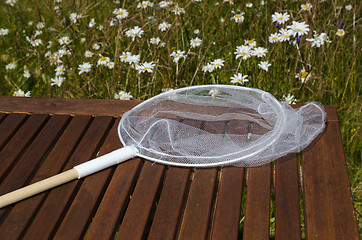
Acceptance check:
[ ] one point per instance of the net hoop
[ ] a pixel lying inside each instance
(257, 148)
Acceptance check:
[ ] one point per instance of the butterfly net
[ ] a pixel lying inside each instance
(214, 125)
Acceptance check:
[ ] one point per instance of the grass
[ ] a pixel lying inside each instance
(332, 70)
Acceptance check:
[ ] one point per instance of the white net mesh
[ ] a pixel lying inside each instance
(215, 125)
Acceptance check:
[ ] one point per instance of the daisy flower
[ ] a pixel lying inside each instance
(231, 2)
(259, 52)
(110, 65)
(145, 67)
(264, 65)
(303, 75)
(125, 56)
(208, 67)
(134, 59)
(289, 99)
(164, 26)
(239, 78)
(74, 17)
(280, 17)
(20, 93)
(299, 28)
(218, 63)
(274, 37)
(195, 42)
(348, 7)
(177, 55)
(85, 67)
(155, 41)
(196, 31)
(26, 74)
(134, 32)
(11, 2)
(164, 4)
(143, 4)
(64, 40)
(59, 70)
(238, 17)
(340, 32)
(120, 13)
(57, 80)
(92, 23)
(113, 22)
(306, 7)
(249, 5)
(88, 54)
(214, 92)
(40, 25)
(37, 42)
(10, 66)
(243, 51)
(96, 46)
(251, 43)
(318, 39)
(64, 52)
(284, 35)
(122, 95)
(4, 31)
(178, 10)
(103, 61)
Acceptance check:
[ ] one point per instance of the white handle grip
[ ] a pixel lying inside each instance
(105, 161)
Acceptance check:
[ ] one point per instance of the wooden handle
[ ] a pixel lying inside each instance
(38, 187)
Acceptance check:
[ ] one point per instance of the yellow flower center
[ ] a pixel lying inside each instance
(243, 53)
(237, 16)
(85, 68)
(251, 41)
(144, 4)
(145, 68)
(306, 6)
(103, 59)
(280, 18)
(120, 13)
(340, 31)
(303, 74)
(22, 95)
(286, 36)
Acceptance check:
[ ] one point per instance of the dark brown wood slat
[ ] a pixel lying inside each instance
(287, 209)
(137, 216)
(77, 219)
(164, 225)
(257, 207)
(20, 141)
(329, 212)
(114, 201)
(9, 126)
(99, 107)
(21, 213)
(227, 211)
(195, 222)
(2, 116)
(52, 210)
(22, 170)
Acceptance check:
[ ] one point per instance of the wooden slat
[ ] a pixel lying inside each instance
(20, 215)
(76, 220)
(137, 216)
(52, 210)
(228, 205)
(257, 207)
(9, 126)
(31, 158)
(195, 222)
(20, 141)
(287, 210)
(164, 225)
(329, 212)
(2, 116)
(99, 107)
(114, 202)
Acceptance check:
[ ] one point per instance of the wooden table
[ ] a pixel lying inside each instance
(305, 195)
